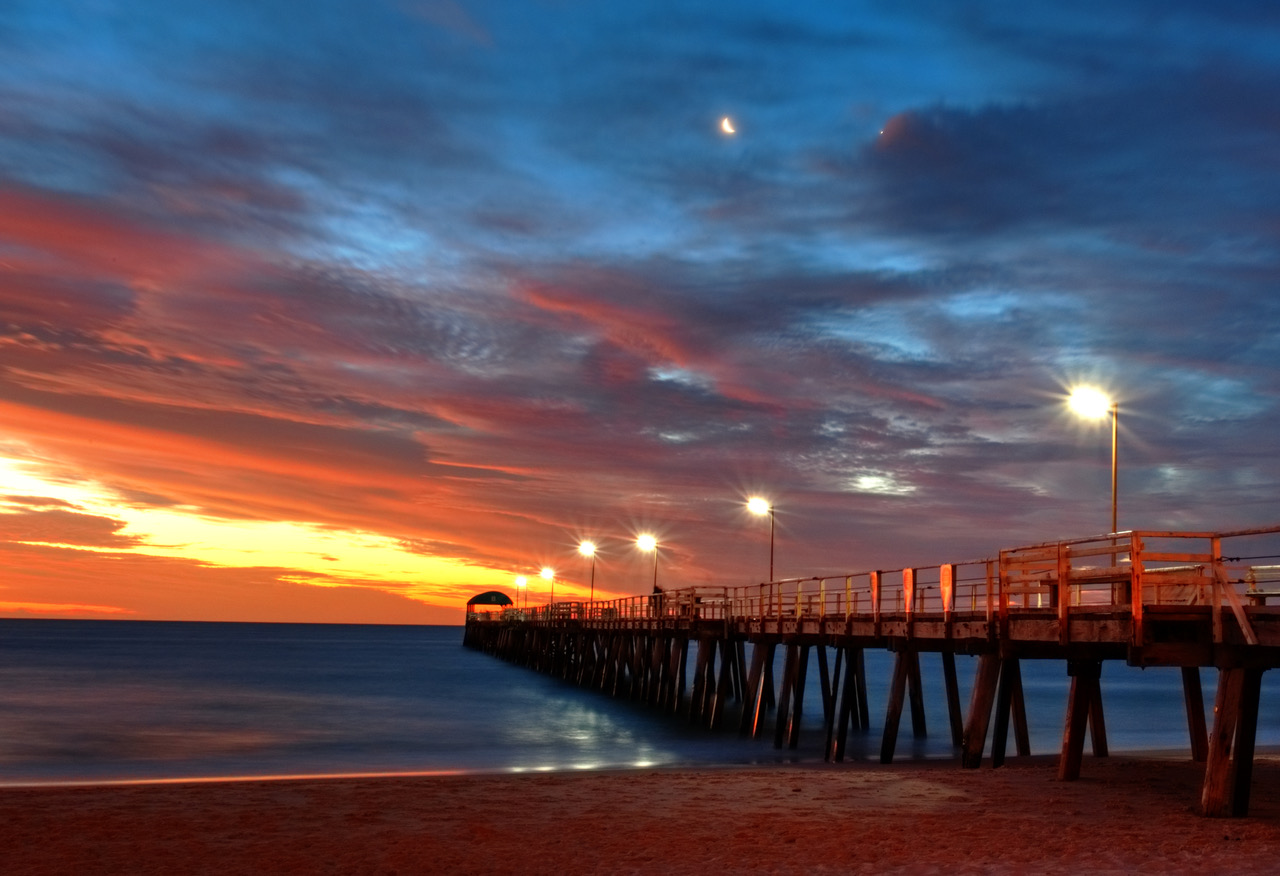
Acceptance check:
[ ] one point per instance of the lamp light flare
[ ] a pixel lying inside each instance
(588, 549)
(1089, 402)
(550, 574)
(648, 543)
(1094, 404)
(760, 506)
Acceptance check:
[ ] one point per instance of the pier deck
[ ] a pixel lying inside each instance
(1145, 597)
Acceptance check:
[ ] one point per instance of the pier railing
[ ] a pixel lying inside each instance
(1134, 573)
(1149, 598)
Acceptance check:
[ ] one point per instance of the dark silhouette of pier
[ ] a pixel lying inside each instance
(1147, 598)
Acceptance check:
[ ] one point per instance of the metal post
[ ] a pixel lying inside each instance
(1115, 444)
(770, 542)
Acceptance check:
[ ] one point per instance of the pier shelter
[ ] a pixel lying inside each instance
(489, 604)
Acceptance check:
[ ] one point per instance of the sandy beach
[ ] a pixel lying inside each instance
(1125, 815)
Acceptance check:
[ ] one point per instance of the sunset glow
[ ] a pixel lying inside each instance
(290, 333)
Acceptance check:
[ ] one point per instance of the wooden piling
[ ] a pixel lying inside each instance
(915, 690)
(983, 696)
(706, 653)
(784, 695)
(797, 692)
(953, 698)
(837, 739)
(751, 704)
(724, 686)
(1004, 706)
(1228, 774)
(893, 712)
(830, 709)
(824, 677)
(1098, 724)
(1193, 697)
(1085, 688)
(860, 679)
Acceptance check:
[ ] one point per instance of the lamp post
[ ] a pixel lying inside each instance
(649, 543)
(522, 583)
(588, 549)
(1094, 404)
(549, 574)
(758, 506)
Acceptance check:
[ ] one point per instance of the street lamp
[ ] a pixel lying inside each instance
(1094, 404)
(649, 543)
(550, 575)
(588, 549)
(761, 507)
(522, 583)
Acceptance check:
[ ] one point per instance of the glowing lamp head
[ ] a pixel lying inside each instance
(587, 548)
(759, 506)
(1090, 403)
(547, 573)
(647, 543)
(521, 581)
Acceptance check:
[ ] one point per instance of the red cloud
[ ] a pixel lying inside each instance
(75, 238)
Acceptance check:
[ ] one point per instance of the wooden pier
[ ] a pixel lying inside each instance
(1147, 598)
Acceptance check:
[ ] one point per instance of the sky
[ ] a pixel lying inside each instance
(348, 311)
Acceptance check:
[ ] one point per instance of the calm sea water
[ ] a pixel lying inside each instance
(112, 700)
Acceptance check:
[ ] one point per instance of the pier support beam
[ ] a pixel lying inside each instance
(1085, 691)
(1193, 695)
(1000, 675)
(703, 678)
(953, 698)
(825, 678)
(851, 707)
(791, 698)
(784, 695)
(1010, 704)
(1228, 775)
(980, 702)
(906, 675)
(724, 684)
(754, 704)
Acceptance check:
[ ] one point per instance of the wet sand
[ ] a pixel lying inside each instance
(1125, 815)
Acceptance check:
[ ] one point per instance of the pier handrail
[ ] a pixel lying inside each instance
(1133, 570)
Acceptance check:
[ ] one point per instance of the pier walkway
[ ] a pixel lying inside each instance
(1180, 599)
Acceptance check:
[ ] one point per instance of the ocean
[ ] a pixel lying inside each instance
(95, 701)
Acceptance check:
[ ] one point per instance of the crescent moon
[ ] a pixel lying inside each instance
(726, 125)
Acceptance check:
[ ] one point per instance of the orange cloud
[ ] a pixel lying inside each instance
(50, 609)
